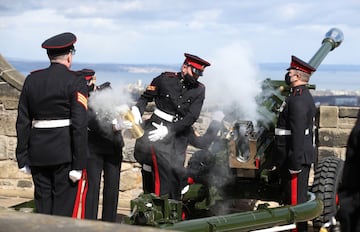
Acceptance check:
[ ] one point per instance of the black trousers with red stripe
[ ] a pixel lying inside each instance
(54, 193)
(295, 188)
(159, 174)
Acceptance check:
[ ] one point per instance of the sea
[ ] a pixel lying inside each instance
(330, 77)
(335, 84)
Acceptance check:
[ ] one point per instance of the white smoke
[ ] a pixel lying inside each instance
(232, 82)
(105, 101)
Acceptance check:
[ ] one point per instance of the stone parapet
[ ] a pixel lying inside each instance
(334, 126)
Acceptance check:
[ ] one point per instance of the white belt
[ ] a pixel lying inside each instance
(51, 123)
(281, 132)
(163, 115)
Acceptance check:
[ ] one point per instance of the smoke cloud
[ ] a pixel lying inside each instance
(233, 82)
(105, 101)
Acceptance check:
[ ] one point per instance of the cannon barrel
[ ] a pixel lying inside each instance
(260, 219)
(333, 39)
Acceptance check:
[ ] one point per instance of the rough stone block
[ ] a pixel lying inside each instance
(7, 122)
(328, 116)
(348, 112)
(11, 148)
(130, 179)
(333, 137)
(346, 123)
(3, 144)
(25, 184)
(324, 152)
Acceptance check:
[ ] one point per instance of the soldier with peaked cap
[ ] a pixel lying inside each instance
(294, 149)
(178, 98)
(105, 151)
(52, 128)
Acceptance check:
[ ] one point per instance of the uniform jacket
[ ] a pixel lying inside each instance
(297, 115)
(49, 94)
(173, 95)
(102, 138)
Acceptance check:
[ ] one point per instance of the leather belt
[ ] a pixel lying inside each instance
(282, 132)
(51, 123)
(164, 115)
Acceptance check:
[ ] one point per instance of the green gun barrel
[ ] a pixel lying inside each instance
(260, 219)
(333, 39)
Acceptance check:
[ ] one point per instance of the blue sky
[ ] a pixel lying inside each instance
(160, 31)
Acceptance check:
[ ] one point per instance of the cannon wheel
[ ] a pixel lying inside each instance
(326, 181)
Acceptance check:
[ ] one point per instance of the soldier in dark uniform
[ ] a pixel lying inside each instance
(52, 128)
(105, 153)
(349, 189)
(178, 98)
(294, 148)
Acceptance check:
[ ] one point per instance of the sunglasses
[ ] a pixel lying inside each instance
(73, 51)
(196, 71)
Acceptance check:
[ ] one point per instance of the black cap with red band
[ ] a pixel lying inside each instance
(60, 44)
(87, 73)
(196, 62)
(300, 65)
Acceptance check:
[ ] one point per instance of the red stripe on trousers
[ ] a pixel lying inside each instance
(83, 196)
(293, 191)
(77, 199)
(156, 172)
(83, 199)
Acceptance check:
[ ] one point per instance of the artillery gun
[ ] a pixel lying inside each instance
(237, 167)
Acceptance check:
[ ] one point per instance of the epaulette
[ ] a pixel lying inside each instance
(38, 70)
(169, 74)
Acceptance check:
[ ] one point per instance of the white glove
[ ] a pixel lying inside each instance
(121, 109)
(119, 124)
(75, 175)
(26, 169)
(159, 133)
(137, 116)
(218, 116)
(294, 171)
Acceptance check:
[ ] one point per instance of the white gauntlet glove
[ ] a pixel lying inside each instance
(136, 113)
(159, 133)
(119, 124)
(26, 169)
(75, 175)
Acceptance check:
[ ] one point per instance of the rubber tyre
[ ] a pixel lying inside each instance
(326, 181)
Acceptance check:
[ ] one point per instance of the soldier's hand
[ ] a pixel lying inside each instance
(137, 116)
(75, 175)
(159, 133)
(119, 124)
(26, 169)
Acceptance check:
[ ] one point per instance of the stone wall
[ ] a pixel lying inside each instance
(334, 126)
